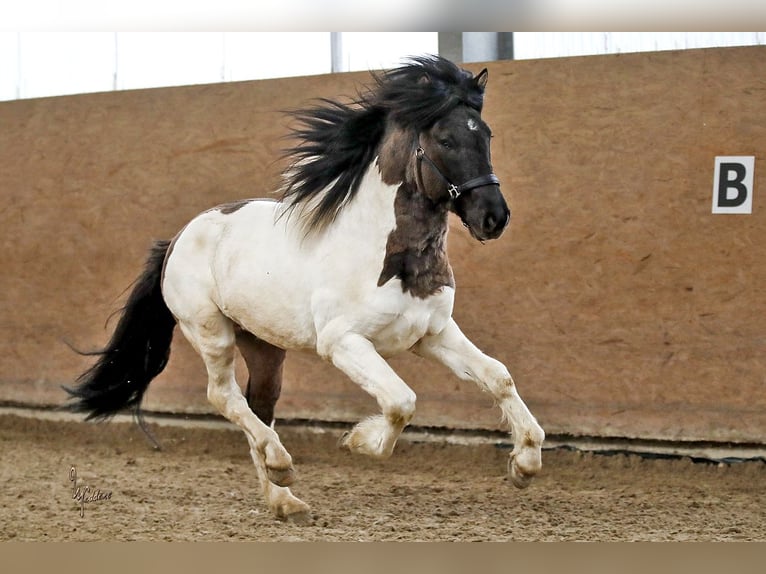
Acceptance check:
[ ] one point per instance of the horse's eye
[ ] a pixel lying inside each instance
(445, 143)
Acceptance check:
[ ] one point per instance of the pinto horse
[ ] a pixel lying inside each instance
(350, 262)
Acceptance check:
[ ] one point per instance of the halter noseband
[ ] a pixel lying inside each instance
(455, 190)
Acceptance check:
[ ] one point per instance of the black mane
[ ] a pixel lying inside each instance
(338, 141)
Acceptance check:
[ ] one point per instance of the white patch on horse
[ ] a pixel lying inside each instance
(472, 125)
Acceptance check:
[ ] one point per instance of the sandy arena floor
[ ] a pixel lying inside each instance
(202, 486)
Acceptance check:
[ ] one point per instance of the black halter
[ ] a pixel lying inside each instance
(455, 190)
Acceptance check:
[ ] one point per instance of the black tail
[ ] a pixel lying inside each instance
(137, 352)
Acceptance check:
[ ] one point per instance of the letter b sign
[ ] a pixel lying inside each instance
(733, 184)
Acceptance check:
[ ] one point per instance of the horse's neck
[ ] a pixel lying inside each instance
(416, 249)
(401, 231)
(369, 217)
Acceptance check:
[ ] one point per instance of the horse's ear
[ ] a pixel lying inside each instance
(481, 79)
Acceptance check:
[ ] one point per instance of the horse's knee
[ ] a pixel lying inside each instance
(500, 385)
(405, 407)
(401, 411)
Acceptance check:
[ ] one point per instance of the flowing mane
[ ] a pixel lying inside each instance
(338, 141)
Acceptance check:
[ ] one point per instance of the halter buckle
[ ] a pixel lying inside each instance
(453, 191)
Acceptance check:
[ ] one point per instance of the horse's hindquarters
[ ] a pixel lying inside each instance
(241, 261)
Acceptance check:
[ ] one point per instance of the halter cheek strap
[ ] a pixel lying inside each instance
(455, 190)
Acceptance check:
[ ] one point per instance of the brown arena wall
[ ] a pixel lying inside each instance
(622, 306)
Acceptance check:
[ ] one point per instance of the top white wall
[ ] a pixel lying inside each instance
(529, 45)
(38, 64)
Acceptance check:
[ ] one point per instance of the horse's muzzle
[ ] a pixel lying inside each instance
(495, 223)
(486, 214)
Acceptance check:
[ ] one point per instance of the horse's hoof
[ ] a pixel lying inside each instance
(281, 476)
(293, 511)
(300, 518)
(343, 441)
(518, 478)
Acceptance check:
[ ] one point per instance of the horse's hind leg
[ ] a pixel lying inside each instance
(212, 335)
(282, 503)
(264, 365)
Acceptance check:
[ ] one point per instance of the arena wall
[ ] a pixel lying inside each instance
(621, 304)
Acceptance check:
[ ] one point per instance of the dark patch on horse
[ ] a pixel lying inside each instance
(228, 208)
(264, 365)
(338, 141)
(393, 158)
(416, 250)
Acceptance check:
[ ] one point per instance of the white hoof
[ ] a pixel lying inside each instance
(292, 510)
(372, 437)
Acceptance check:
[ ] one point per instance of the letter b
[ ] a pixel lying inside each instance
(726, 182)
(733, 184)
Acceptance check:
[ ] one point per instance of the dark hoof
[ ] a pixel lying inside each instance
(281, 476)
(518, 478)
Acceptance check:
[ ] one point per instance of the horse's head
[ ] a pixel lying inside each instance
(423, 121)
(452, 164)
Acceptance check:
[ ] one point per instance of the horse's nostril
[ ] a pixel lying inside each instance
(494, 224)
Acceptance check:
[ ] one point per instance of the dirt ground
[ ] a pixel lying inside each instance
(202, 486)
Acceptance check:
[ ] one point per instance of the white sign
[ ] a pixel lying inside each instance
(733, 184)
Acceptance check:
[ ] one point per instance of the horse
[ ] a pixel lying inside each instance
(350, 261)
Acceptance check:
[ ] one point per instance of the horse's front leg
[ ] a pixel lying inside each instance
(452, 348)
(356, 357)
